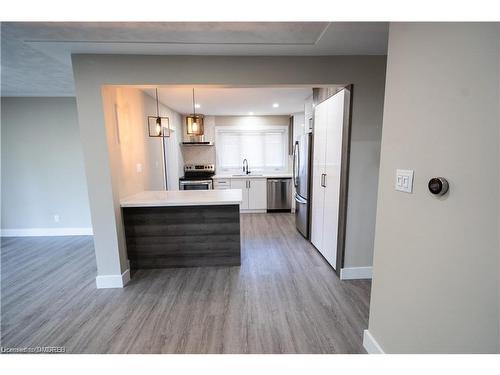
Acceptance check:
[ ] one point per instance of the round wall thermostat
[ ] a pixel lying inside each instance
(438, 185)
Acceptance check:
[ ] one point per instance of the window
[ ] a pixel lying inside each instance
(265, 148)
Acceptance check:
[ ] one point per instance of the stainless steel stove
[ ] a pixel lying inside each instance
(197, 177)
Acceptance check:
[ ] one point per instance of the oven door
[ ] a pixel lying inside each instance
(195, 185)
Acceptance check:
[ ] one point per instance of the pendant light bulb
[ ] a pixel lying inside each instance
(158, 119)
(194, 122)
(158, 126)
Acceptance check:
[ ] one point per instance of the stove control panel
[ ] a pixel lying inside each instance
(199, 168)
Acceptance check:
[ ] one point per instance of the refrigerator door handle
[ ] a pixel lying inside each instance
(296, 165)
(299, 199)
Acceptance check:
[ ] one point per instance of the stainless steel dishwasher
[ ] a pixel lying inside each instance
(279, 194)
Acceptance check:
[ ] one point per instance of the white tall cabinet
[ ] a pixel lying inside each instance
(327, 157)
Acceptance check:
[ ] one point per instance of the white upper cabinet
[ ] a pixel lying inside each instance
(308, 115)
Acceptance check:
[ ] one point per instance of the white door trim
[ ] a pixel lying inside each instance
(370, 344)
(113, 281)
(353, 273)
(40, 232)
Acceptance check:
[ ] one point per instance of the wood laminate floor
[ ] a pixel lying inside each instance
(283, 299)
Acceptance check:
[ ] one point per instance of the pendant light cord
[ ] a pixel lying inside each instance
(157, 105)
(194, 108)
(163, 150)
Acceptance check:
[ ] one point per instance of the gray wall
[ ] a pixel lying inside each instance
(435, 283)
(366, 134)
(367, 73)
(126, 110)
(42, 165)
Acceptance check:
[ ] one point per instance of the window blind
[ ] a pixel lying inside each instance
(265, 149)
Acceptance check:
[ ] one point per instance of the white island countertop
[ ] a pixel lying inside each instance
(183, 198)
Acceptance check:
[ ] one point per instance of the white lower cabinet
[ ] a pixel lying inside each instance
(254, 193)
(240, 183)
(222, 183)
(257, 194)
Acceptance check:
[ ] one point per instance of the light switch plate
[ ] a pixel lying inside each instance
(404, 180)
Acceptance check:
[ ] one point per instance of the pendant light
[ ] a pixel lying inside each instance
(158, 126)
(194, 122)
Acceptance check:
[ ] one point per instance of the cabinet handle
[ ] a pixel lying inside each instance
(323, 180)
(249, 184)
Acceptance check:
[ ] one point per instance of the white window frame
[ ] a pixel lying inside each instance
(252, 129)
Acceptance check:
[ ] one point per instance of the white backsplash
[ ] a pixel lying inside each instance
(198, 154)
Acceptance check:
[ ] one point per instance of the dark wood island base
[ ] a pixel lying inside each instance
(183, 236)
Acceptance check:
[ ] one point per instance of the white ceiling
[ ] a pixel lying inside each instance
(217, 101)
(35, 58)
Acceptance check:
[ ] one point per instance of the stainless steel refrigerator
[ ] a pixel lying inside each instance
(301, 176)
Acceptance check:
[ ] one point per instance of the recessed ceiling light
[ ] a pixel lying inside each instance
(197, 105)
(276, 105)
(250, 113)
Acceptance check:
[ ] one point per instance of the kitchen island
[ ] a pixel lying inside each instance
(191, 228)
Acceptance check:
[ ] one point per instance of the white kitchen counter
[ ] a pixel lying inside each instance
(264, 175)
(183, 198)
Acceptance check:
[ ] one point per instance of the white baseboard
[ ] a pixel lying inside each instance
(253, 211)
(113, 281)
(353, 273)
(370, 344)
(40, 232)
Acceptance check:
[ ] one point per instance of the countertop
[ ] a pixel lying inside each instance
(183, 198)
(257, 175)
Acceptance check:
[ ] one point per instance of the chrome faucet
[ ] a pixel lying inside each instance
(245, 166)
